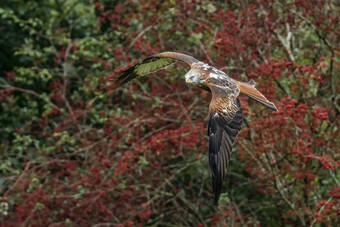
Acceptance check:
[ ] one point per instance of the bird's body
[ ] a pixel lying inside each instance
(225, 111)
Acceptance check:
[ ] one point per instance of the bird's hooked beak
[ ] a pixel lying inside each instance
(187, 81)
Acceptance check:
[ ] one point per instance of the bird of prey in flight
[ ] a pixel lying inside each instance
(224, 109)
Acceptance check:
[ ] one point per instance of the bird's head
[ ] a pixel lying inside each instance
(194, 77)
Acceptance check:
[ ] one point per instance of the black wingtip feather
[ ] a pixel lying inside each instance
(222, 134)
(131, 73)
(127, 75)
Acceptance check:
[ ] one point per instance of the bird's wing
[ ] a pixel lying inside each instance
(152, 64)
(224, 124)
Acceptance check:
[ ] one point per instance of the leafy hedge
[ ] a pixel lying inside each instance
(77, 152)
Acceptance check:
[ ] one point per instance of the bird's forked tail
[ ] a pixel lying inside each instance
(250, 90)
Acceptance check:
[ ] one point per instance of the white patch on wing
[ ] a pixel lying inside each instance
(218, 76)
(213, 75)
(204, 66)
(222, 87)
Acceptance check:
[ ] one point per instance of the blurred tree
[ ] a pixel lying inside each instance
(76, 152)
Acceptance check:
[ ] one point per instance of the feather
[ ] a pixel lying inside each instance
(222, 134)
(250, 90)
(152, 64)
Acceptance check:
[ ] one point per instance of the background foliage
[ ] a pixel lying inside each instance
(77, 152)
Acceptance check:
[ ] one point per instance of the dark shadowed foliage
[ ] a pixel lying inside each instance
(77, 152)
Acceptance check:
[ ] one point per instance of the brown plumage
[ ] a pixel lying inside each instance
(225, 110)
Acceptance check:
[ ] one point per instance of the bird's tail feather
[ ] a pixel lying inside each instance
(250, 90)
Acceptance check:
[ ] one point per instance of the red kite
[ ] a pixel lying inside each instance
(224, 109)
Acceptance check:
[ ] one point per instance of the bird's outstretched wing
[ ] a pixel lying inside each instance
(152, 64)
(224, 124)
